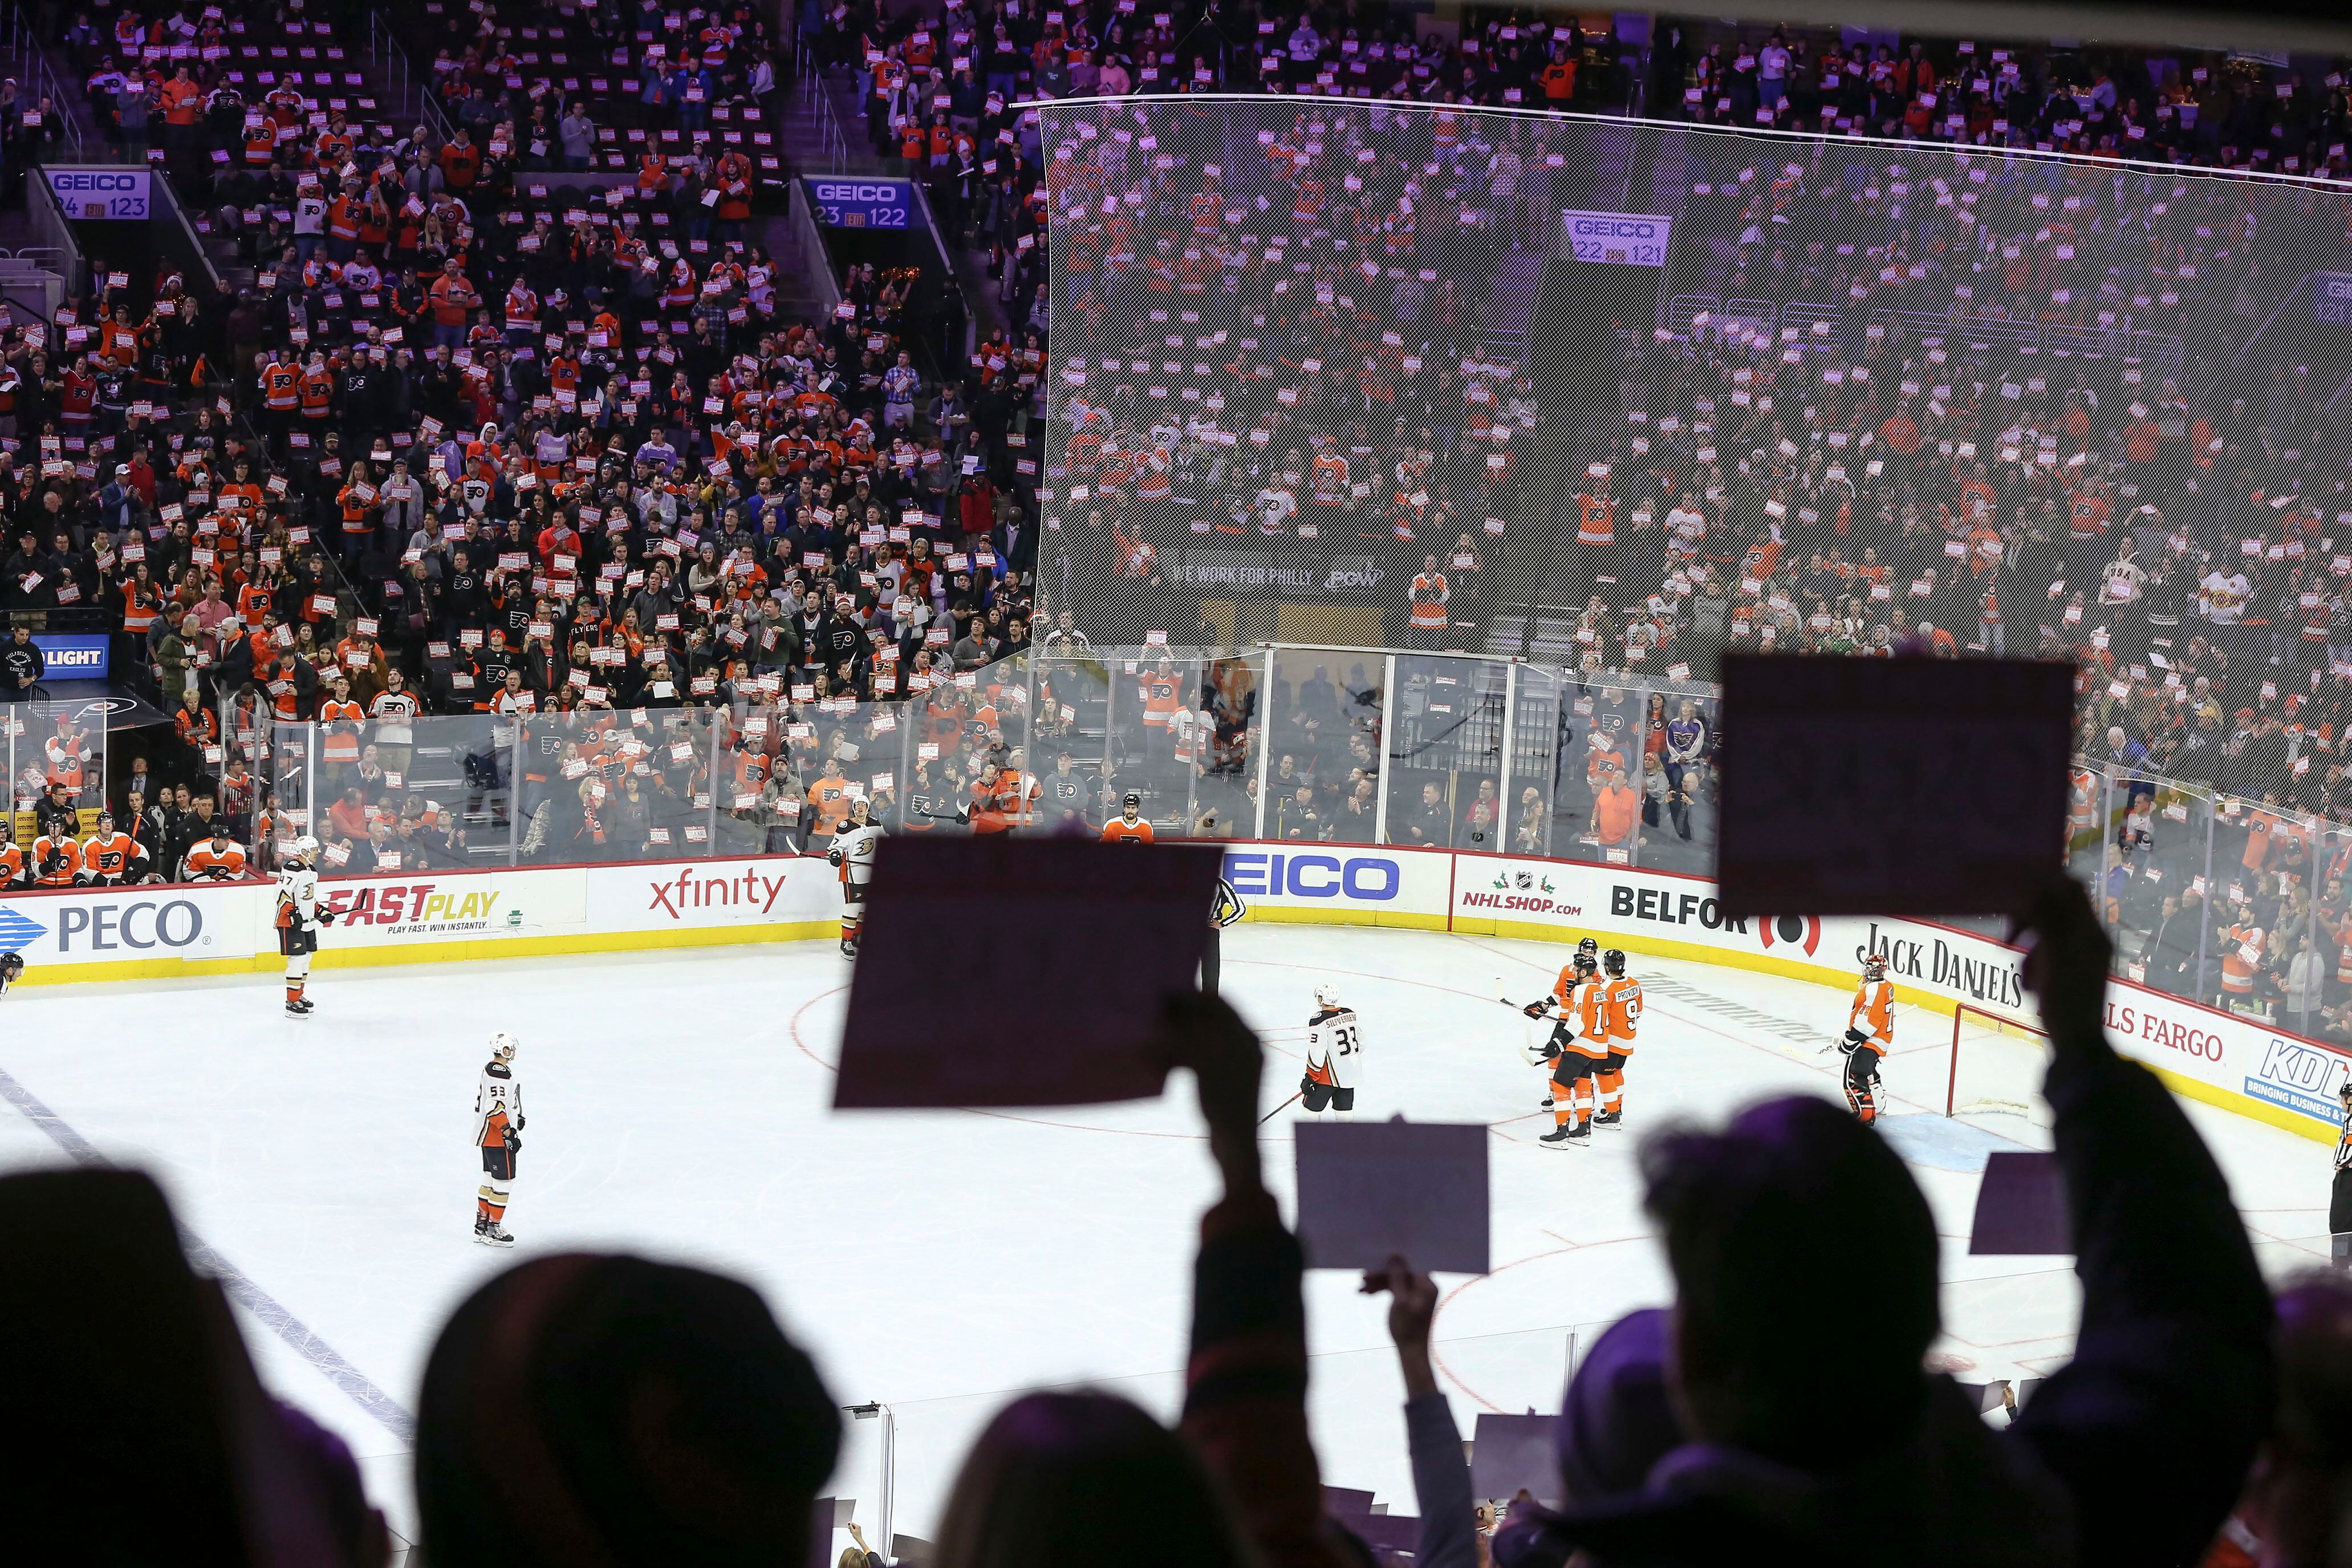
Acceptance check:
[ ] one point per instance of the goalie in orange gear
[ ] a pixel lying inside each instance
(1869, 1031)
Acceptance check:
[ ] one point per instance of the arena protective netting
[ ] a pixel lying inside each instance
(1624, 395)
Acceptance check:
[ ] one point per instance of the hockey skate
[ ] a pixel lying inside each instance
(1545, 1103)
(1567, 1137)
(298, 1007)
(490, 1235)
(848, 949)
(1610, 1119)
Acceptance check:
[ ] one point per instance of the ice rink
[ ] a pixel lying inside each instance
(677, 1106)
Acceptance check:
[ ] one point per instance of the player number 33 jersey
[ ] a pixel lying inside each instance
(1333, 1046)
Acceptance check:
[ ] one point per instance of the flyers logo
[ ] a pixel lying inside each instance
(1791, 930)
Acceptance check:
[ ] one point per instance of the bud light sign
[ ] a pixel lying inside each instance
(72, 658)
(1620, 239)
(843, 202)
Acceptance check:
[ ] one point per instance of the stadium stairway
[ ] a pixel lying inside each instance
(823, 132)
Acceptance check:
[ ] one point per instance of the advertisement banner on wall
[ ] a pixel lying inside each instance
(454, 906)
(700, 894)
(134, 925)
(1342, 884)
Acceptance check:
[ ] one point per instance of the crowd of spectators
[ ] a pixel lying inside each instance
(583, 1406)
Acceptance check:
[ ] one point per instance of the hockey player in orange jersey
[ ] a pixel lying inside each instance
(1128, 827)
(1621, 998)
(1869, 1032)
(1577, 1046)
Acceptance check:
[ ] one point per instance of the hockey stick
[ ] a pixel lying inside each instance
(1528, 1053)
(1279, 1109)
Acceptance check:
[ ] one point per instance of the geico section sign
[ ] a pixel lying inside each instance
(88, 195)
(384, 910)
(841, 202)
(129, 925)
(1621, 239)
(692, 893)
(1354, 884)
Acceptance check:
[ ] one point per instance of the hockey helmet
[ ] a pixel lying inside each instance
(1588, 947)
(1327, 994)
(1130, 804)
(503, 1046)
(12, 964)
(1584, 964)
(1874, 966)
(1612, 963)
(306, 849)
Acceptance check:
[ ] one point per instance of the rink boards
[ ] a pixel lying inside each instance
(436, 917)
(428, 917)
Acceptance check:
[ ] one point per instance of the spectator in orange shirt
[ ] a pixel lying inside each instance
(454, 300)
(461, 162)
(1615, 810)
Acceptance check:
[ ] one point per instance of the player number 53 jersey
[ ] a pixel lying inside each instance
(498, 1105)
(1333, 1046)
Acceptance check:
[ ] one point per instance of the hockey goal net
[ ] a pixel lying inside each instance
(1997, 1066)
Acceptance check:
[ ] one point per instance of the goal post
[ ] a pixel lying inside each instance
(1997, 1067)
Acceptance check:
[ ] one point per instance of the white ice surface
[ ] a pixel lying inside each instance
(677, 1106)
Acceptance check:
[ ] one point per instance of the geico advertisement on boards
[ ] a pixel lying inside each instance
(1344, 881)
(125, 925)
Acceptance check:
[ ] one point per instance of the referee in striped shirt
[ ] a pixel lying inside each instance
(1224, 908)
(2340, 1200)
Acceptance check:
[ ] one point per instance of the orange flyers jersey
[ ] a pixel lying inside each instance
(1621, 999)
(1873, 1014)
(1121, 831)
(108, 857)
(46, 846)
(1590, 1009)
(208, 864)
(12, 864)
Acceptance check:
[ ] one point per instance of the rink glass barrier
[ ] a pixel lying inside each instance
(45, 741)
(2209, 896)
(900, 1463)
(1596, 394)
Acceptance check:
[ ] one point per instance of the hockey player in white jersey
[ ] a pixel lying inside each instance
(1335, 1054)
(853, 852)
(298, 920)
(497, 1132)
